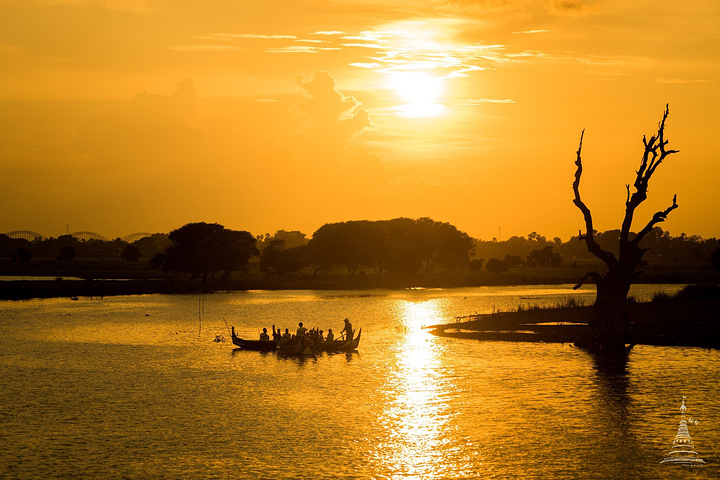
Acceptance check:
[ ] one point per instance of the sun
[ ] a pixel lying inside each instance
(419, 93)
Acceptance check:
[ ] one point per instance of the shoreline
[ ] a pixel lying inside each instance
(663, 322)
(31, 289)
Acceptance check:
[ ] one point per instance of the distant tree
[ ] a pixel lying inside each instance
(495, 265)
(535, 237)
(131, 253)
(23, 255)
(512, 261)
(235, 250)
(149, 246)
(349, 244)
(204, 248)
(278, 260)
(476, 264)
(716, 259)
(608, 328)
(67, 253)
(399, 245)
(292, 239)
(544, 257)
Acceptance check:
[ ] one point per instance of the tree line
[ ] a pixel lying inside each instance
(397, 246)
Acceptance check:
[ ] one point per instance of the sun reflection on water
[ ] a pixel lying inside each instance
(415, 413)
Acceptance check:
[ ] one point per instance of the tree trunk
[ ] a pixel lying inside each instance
(608, 331)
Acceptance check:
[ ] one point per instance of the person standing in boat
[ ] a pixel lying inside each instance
(347, 330)
(264, 336)
(300, 332)
(330, 336)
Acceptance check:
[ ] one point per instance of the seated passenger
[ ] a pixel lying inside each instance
(330, 336)
(264, 336)
(286, 335)
(319, 339)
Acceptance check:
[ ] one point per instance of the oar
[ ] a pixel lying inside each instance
(226, 324)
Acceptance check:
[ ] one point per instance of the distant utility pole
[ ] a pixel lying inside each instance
(499, 234)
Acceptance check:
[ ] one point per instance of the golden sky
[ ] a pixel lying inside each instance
(122, 116)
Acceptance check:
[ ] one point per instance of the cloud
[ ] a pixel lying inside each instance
(480, 101)
(300, 49)
(204, 48)
(371, 65)
(138, 6)
(328, 111)
(171, 155)
(159, 127)
(572, 7)
(680, 81)
(530, 32)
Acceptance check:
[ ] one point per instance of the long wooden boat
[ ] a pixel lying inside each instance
(297, 349)
(257, 345)
(341, 345)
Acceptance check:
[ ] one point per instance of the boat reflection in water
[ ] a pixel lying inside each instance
(683, 452)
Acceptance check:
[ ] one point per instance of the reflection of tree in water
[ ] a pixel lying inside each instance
(612, 413)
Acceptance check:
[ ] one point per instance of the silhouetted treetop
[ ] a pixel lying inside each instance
(397, 245)
(204, 248)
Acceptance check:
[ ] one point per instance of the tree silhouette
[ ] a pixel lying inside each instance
(715, 258)
(131, 253)
(203, 248)
(67, 253)
(23, 254)
(608, 329)
(279, 260)
(495, 265)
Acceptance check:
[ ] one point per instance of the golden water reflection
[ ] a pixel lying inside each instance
(416, 411)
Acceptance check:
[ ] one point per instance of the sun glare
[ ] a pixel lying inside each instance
(419, 92)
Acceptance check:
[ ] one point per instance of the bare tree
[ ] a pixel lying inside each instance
(608, 330)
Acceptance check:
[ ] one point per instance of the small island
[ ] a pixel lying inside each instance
(691, 319)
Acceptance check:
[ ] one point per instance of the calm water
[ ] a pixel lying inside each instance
(135, 387)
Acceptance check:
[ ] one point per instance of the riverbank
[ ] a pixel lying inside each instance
(107, 278)
(690, 319)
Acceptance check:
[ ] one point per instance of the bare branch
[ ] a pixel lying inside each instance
(588, 237)
(595, 276)
(657, 218)
(653, 155)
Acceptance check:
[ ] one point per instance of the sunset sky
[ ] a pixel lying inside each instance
(122, 116)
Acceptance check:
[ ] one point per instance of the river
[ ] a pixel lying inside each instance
(136, 387)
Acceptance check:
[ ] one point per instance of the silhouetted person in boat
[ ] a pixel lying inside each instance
(347, 330)
(285, 338)
(300, 334)
(330, 336)
(319, 338)
(276, 334)
(264, 336)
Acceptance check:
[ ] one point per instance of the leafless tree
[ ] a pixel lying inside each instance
(608, 330)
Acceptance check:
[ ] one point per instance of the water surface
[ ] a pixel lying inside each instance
(135, 387)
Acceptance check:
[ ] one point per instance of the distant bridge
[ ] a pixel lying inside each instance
(85, 236)
(25, 235)
(134, 237)
(82, 236)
